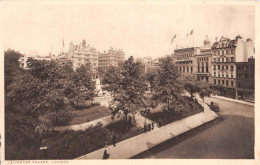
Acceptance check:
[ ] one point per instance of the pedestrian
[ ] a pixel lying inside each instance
(144, 128)
(114, 140)
(149, 127)
(105, 154)
(152, 125)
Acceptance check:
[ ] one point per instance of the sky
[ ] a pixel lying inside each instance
(139, 29)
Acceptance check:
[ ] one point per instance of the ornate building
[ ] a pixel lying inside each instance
(82, 54)
(110, 58)
(225, 54)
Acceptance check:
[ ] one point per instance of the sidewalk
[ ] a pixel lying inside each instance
(138, 144)
(237, 101)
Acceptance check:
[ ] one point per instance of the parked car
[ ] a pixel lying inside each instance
(214, 106)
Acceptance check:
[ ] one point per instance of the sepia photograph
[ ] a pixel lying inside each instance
(127, 80)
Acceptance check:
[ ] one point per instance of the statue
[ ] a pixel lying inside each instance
(98, 89)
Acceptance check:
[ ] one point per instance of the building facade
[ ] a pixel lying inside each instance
(245, 82)
(110, 58)
(82, 54)
(225, 54)
(185, 60)
(203, 61)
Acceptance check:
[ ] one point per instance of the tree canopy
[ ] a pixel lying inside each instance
(168, 87)
(130, 88)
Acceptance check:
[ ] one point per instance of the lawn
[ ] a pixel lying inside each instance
(89, 114)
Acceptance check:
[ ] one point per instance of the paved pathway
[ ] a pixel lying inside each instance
(135, 145)
(140, 120)
(105, 121)
(234, 100)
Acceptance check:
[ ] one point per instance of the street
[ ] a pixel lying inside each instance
(231, 136)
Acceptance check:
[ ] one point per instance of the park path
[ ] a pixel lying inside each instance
(140, 121)
(104, 120)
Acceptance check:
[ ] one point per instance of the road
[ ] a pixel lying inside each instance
(231, 136)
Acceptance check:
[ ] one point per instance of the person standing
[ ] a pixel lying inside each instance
(114, 140)
(105, 154)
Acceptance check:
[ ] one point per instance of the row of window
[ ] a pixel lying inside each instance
(223, 67)
(202, 69)
(184, 56)
(246, 85)
(245, 67)
(203, 59)
(187, 69)
(245, 76)
(223, 52)
(223, 75)
(227, 59)
(223, 82)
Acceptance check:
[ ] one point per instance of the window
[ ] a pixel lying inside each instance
(231, 75)
(218, 59)
(187, 69)
(218, 82)
(214, 81)
(226, 75)
(222, 82)
(222, 67)
(232, 84)
(180, 69)
(214, 74)
(238, 67)
(232, 59)
(232, 68)
(232, 52)
(222, 52)
(207, 67)
(223, 60)
(202, 66)
(183, 69)
(214, 67)
(246, 76)
(226, 51)
(227, 59)
(218, 67)
(226, 67)
(238, 76)
(214, 59)
(191, 69)
(227, 82)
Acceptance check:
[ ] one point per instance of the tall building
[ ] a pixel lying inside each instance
(245, 79)
(82, 54)
(203, 61)
(110, 58)
(225, 54)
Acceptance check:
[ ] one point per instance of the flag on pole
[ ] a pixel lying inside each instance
(191, 32)
(173, 38)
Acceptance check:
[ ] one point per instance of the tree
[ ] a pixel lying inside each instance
(84, 85)
(130, 88)
(11, 65)
(193, 86)
(111, 78)
(168, 87)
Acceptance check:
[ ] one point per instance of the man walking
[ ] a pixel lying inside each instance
(105, 154)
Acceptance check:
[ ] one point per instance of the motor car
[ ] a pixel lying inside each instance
(214, 106)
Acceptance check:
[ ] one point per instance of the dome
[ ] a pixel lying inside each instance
(206, 41)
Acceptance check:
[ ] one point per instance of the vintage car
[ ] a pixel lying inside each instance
(214, 106)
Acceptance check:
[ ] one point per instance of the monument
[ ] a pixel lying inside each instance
(98, 90)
